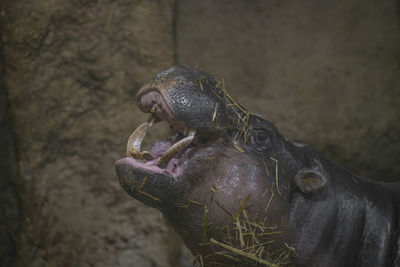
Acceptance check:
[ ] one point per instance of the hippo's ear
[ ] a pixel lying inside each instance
(310, 180)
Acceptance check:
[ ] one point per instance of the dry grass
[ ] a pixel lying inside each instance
(244, 242)
(135, 188)
(238, 117)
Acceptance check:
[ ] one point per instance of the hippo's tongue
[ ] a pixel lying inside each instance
(137, 137)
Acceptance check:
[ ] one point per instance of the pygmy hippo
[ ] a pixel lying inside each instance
(240, 194)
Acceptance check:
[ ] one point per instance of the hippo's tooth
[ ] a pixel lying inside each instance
(192, 132)
(136, 138)
(175, 148)
(189, 132)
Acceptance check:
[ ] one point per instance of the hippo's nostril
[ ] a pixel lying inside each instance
(150, 101)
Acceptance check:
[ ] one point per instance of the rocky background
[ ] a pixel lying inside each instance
(327, 74)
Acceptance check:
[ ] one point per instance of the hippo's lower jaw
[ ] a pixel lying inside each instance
(148, 176)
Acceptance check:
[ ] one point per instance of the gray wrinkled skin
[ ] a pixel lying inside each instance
(324, 214)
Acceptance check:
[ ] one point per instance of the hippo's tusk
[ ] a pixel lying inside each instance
(175, 148)
(135, 140)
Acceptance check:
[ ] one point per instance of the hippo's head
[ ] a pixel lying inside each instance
(223, 180)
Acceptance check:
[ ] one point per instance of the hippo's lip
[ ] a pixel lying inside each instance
(152, 100)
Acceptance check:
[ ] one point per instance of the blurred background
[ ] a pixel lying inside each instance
(325, 73)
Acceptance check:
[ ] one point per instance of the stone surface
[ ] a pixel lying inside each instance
(9, 201)
(72, 72)
(326, 73)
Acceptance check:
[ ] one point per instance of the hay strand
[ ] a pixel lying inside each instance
(242, 253)
(276, 177)
(205, 224)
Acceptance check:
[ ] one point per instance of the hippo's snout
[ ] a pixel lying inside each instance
(192, 104)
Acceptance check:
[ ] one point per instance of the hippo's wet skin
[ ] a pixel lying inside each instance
(238, 193)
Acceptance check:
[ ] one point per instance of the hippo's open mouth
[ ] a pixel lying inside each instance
(166, 157)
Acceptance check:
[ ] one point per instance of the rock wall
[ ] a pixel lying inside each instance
(10, 206)
(72, 72)
(326, 73)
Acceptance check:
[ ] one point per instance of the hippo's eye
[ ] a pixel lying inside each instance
(260, 136)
